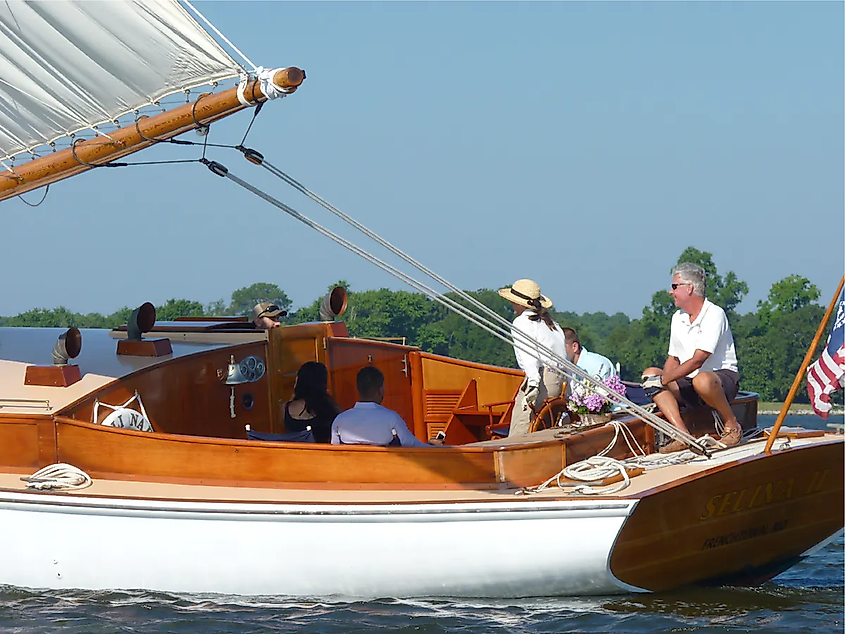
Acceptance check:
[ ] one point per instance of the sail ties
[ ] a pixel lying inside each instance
(475, 311)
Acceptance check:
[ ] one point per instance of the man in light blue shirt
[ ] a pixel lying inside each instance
(368, 423)
(593, 364)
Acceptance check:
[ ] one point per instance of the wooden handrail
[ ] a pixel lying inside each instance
(799, 378)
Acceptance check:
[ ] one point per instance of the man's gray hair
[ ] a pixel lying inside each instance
(690, 273)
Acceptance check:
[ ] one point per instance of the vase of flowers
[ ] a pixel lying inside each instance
(590, 403)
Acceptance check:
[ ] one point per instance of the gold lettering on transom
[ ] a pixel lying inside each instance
(772, 492)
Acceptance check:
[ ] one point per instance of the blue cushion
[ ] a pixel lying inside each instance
(298, 436)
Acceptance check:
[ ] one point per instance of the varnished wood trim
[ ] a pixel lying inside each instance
(171, 364)
(419, 426)
(745, 515)
(470, 364)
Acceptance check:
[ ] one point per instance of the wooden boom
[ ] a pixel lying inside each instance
(137, 136)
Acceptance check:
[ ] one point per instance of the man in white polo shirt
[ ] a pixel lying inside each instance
(701, 365)
(368, 423)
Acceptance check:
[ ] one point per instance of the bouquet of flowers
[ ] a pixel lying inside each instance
(588, 399)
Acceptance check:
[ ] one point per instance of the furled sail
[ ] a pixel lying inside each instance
(70, 65)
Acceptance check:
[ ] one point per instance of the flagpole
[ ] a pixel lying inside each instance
(799, 378)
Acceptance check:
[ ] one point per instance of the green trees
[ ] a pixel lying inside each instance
(61, 317)
(173, 308)
(245, 298)
(771, 342)
(789, 295)
(386, 313)
(457, 337)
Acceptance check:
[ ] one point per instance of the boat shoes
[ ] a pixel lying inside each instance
(729, 438)
(732, 436)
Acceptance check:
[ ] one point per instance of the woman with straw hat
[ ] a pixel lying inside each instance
(533, 319)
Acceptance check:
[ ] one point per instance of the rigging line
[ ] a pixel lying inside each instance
(402, 255)
(656, 422)
(664, 426)
(205, 132)
(116, 164)
(43, 198)
(223, 37)
(446, 301)
(249, 127)
(12, 173)
(183, 142)
(222, 171)
(258, 159)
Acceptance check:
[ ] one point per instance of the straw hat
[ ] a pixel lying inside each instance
(523, 291)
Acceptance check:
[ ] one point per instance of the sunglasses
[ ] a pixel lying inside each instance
(269, 309)
(675, 286)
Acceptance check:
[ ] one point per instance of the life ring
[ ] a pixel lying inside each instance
(126, 418)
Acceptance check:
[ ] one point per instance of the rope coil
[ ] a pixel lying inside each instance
(600, 467)
(58, 476)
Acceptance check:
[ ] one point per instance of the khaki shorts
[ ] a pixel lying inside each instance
(730, 386)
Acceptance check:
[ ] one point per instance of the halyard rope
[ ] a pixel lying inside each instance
(601, 467)
(501, 330)
(219, 34)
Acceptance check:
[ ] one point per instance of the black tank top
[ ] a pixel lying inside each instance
(322, 428)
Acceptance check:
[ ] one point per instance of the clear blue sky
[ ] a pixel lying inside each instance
(583, 145)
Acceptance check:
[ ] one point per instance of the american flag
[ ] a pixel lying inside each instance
(827, 374)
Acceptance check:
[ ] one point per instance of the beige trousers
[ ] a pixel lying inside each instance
(550, 387)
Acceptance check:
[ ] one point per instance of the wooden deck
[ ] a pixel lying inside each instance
(643, 485)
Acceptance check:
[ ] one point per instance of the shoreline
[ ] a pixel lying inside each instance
(836, 411)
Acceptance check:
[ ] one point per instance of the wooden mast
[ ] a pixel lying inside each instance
(799, 378)
(137, 136)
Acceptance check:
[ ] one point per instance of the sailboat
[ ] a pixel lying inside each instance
(125, 461)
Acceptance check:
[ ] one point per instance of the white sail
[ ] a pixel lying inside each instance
(69, 65)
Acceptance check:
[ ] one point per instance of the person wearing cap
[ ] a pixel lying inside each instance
(533, 321)
(266, 315)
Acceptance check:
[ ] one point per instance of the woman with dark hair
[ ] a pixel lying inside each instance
(312, 405)
(534, 321)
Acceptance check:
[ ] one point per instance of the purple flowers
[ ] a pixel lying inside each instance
(593, 400)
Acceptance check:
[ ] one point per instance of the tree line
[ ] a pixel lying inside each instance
(771, 342)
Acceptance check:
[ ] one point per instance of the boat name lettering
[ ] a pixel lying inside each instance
(735, 501)
(771, 492)
(743, 535)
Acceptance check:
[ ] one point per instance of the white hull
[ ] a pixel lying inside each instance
(492, 549)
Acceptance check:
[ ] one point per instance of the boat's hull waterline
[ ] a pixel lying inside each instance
(741, 519)
(525, 548)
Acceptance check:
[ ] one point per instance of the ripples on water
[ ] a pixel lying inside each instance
(806, 598)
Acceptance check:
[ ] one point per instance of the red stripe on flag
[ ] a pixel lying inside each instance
(827, 366)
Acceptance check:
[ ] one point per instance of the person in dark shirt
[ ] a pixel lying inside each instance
(311, 405)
